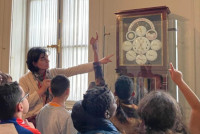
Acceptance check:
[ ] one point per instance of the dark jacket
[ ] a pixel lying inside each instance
(87, 124)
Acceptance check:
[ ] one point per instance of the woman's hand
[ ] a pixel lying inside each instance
(106, 59)
(45, 85)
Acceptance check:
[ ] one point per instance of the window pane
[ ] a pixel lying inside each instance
(43, 26)
(75, 43)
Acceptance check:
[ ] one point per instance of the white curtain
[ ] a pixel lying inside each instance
(18, 39)
(42, 27)
(75, 28)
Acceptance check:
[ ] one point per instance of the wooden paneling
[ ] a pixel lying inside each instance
(5, 26)
(1, 29)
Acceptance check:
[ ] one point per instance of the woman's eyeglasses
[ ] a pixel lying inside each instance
(25, 96)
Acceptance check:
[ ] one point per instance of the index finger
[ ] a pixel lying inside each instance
(171, 66)
(110, 56)
(97, 36)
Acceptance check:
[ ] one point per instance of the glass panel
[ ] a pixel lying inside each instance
(142, 49)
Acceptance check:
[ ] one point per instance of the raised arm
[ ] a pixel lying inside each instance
(191, 98)
(99, 79)
(94, 44)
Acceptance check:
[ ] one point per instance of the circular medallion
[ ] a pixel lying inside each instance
(130, 35)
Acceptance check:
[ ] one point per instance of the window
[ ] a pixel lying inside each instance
(50, 22)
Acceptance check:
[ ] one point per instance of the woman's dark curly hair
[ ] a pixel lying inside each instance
(96, 101)
(160, 113)
(33, 56)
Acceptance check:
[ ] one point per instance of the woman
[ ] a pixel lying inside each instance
(126, 119)
(91, 116)
(160, 114)
(37, 81)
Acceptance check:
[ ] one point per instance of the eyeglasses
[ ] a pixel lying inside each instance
(25, 96)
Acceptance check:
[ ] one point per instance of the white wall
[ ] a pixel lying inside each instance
(5, 23)
(12, 57)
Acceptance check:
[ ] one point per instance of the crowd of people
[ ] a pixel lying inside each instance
(37, 103)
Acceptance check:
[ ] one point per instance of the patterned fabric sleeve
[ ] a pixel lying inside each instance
(99, 79)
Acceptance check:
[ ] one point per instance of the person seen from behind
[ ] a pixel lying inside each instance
(54, 118)
(126, 118)
(97, 107)
(160, 114)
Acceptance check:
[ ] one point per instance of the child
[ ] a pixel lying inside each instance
(126, 119)
(191, 98)
(53, 118)
(13, 104)
(97, 107)
(85, 120)
(160, 114)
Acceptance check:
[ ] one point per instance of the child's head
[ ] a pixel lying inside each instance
(159, 111)
(5, 78)
(59, 85)
(99, 102)
(12, 100)
(82, 121)
(124, 87)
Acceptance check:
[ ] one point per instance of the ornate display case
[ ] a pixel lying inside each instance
(142, 47)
